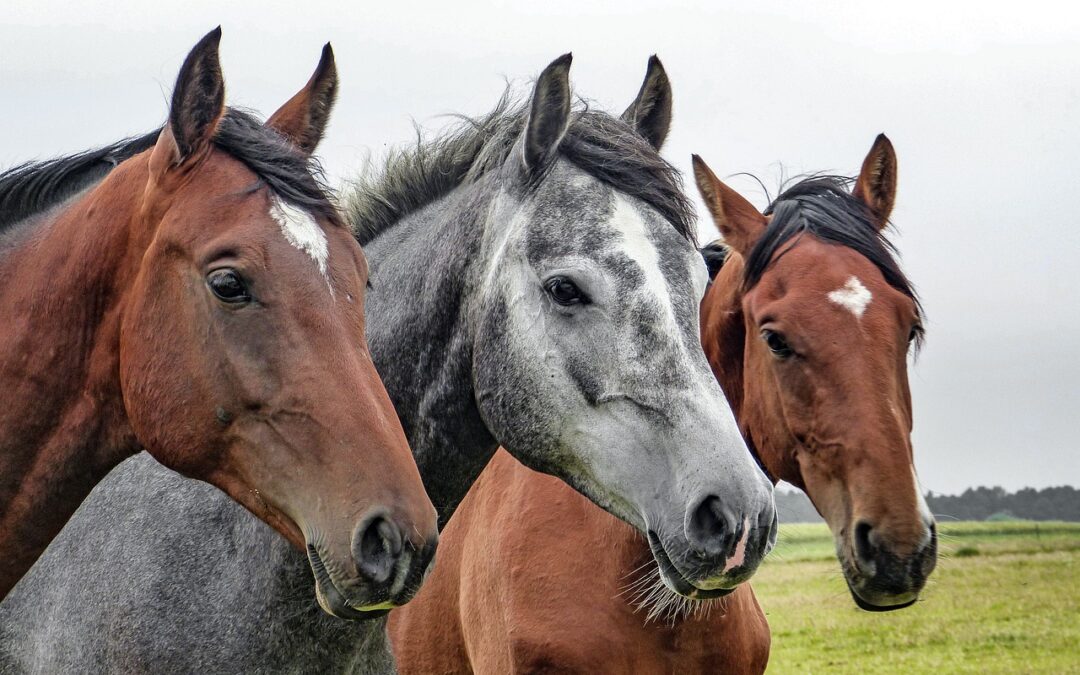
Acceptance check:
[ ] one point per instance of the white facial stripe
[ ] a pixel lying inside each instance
(920, 500)
(639, 248)
(301, 230)
(700, 275)
(502, 244)
(924, 509)
(852, 296)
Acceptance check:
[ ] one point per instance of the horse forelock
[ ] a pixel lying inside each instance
(598, 143)
(823, 207)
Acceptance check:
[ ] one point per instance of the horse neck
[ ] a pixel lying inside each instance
(62, 426)
(423, 273)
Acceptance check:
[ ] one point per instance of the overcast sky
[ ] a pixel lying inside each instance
(981, 100)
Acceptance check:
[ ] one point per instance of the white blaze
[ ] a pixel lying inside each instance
(301, 230)
(920, 500)
(852, 296)
(640, 249)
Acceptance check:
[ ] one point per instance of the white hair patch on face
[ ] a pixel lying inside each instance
(637, 245)
(852, 296)
(920, 500)
(301, 230)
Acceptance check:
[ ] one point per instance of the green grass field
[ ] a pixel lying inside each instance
(1005, 598)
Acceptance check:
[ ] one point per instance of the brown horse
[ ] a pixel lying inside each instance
(194, 293)
(807, 325)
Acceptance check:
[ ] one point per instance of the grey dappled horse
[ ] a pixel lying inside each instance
(534, 284)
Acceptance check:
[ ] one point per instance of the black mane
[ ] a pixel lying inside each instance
(36, 186)
(823, 207)
(600, 144)
(290, 174)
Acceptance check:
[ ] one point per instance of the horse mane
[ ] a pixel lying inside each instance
(600, 144)
(823, 207)
(33, 187)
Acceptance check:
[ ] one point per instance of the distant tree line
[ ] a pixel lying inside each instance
(981, 503)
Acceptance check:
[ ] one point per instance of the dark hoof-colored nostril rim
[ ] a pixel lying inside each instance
(377, 548)
(864, 548)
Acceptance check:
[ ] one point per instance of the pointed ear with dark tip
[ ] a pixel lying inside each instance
(738, 221)
(198, 101)
(650, 113)
(549, 115)
(715, 254)
(876, 186)
(304, 117)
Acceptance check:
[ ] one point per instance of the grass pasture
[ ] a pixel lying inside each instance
(1005, 598)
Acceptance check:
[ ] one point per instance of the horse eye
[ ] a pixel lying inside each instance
(916, 331)
(564, 291)
(777, 344)
(228, 286)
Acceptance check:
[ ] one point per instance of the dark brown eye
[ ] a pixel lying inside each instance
(564, 291)
(228, 286)
(777, 344)
(915, 334)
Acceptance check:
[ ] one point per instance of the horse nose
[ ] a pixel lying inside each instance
(736, 543)
(377, 547)
(875, 558)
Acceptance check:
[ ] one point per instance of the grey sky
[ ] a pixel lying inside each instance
(981, 100)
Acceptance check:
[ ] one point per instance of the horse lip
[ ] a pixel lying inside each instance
(870, 607)
(675, 580)
(853, 574)
(333, 600)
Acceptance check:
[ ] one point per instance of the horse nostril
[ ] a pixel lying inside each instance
(864, 548)
(390, 535)
(377, 546)
(710, 528)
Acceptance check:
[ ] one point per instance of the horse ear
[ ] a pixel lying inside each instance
(650, 113)
(715, 254)
(876, 185)
(304, 117)
(737, 219)
(198, 101)
(549, 114)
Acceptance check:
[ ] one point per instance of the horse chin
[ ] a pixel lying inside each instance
(333, 601)
(865, 598)
(674, 579)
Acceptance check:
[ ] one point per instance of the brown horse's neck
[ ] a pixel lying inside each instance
(63, 425)
(723, 338)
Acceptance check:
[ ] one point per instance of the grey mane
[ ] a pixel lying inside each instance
(600, 144)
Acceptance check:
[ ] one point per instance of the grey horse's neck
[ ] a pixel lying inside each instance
(423, 271)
